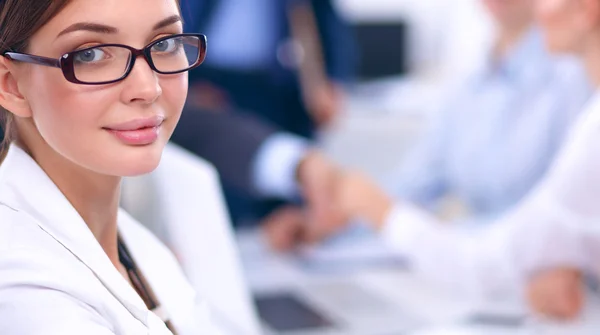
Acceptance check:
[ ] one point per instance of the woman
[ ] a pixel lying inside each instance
(91, 92)
(551, 236)
(572, 27)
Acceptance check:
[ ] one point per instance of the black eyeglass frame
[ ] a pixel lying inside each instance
(66, 61)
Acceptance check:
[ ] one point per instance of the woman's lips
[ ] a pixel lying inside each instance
(142, 136)
(137, 132)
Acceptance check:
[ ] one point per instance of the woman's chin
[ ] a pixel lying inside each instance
(139, 162)
(138, 171)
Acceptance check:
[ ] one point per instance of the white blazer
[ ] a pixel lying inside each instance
(55, 278)
(558, 224)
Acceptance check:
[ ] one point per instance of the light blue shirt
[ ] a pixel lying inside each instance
(498, 134)
(243, 34)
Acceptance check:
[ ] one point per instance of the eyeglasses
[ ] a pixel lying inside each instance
(110, 63)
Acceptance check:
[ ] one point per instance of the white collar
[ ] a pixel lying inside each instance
(591, 112)
(25, 187)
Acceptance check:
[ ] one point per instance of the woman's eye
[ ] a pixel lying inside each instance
(169, 45)
(90, 56)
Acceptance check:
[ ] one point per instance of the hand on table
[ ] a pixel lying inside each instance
(284, 227)
(318, 178)
(557, 293)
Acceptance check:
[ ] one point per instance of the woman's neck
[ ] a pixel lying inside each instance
(508, 38)
(95, 197)
(591, 58)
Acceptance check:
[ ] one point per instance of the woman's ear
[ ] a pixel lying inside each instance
(10, 96)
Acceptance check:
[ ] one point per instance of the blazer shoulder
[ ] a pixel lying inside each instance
(12, 225)
(20, 231)
(31, 258)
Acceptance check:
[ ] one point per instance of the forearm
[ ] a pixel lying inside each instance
(493, 259)
(473, 262)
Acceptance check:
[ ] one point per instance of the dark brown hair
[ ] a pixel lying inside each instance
(19, 20)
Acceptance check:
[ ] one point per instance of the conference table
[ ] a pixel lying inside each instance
(359, 258)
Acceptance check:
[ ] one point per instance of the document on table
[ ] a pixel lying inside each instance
(355, 249)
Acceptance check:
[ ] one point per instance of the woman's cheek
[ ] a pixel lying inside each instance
(175, 93)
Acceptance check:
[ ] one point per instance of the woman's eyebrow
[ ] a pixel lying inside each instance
(89, 26)
(167, 22)
(104, 29)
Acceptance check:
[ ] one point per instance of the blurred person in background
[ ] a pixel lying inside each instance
(283, 62)
(545, 246)
(573, 26)
(498, 131)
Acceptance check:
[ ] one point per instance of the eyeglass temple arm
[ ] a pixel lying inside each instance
(33, 59)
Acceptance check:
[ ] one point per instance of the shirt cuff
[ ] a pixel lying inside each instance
(404, 226)
(275, 164)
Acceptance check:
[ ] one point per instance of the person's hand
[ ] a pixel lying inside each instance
(557, 293)
(318, 178)
(284, 227)
(290, 227)
(324, 104)
(360, 198)
(206, 96)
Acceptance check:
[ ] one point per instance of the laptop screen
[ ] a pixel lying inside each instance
(383, 49)
(286, 312)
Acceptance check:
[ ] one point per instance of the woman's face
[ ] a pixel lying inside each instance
(510, 13)
(98, 127)
(565, 23)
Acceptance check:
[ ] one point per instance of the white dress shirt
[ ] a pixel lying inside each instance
(557, 224)
(276, 163)
(498, 132)
(55, 278)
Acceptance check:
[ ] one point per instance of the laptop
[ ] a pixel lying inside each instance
(333, 308)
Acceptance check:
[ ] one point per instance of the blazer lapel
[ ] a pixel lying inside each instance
(31, 191)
